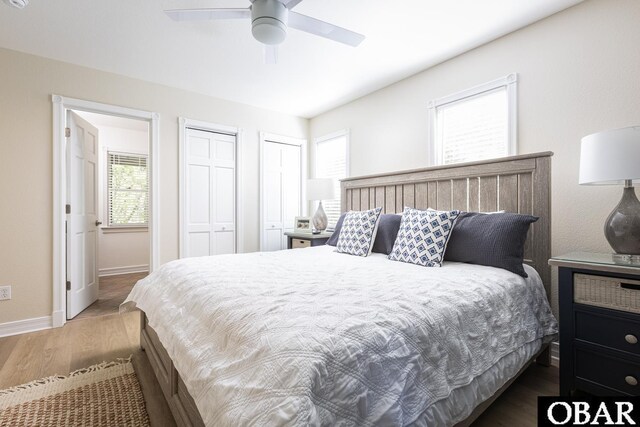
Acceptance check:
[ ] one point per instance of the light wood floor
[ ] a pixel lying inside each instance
(85, 342)
(79, 344)
(518, 405)
(113, 292)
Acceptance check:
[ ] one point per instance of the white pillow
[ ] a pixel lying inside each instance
(358, 232)
(423, 236)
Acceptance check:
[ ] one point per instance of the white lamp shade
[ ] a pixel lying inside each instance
(320, 189)
(610, 157)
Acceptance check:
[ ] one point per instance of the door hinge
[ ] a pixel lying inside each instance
(67, 132)
(68, 285)
(68, 209)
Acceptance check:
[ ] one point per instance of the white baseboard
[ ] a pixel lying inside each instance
(25, 326)
(128, 269)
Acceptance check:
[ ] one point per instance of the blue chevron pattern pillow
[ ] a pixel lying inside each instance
(358, 232)
(423, 236)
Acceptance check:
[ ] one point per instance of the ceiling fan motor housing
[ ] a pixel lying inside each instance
(269, 21)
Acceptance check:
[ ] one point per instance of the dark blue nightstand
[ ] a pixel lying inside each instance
(599, 324)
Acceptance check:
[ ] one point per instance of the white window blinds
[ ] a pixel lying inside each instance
(128, 189)
(476, 124)
(331, 162)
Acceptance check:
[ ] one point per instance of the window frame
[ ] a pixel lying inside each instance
(346, 133)
(108, 227)
(510, 82)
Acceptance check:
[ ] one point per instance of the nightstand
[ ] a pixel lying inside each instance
(599, 324)
(305, 240)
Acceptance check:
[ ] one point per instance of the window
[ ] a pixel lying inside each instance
(331, 162)
(476, 124)
(127, 190)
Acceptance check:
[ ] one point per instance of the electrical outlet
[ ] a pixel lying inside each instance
(5, 293)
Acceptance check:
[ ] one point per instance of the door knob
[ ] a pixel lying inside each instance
(98, 222)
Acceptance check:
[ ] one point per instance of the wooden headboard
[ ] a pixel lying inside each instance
(520, 184)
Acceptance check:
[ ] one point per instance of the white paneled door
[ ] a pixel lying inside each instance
(281, 192)
(82, 214)
(210, 193)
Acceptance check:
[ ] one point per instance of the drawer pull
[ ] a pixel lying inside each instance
(631, 380)
(631, 339)
(631, 286)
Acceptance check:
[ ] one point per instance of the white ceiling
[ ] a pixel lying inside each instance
(99, 120)
(221, 59)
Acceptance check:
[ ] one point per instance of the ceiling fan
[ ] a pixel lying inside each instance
(270, 20)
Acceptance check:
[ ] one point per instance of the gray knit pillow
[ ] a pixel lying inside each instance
(495, 240)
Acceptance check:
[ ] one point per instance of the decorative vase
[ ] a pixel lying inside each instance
(320, 220)
(622, 228)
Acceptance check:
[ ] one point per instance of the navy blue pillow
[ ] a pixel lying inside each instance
(387, 232)
(333, 240)
(495, 240)
(385, 238)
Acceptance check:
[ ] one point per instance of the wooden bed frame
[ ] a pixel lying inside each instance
(519, 184)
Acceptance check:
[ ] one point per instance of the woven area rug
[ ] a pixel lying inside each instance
(107, 394)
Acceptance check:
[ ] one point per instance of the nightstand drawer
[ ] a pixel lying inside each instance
(611, 372)
(300, 243)
(610, 331)
(608, 292)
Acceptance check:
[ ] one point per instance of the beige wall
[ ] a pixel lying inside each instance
(26, 83)
(578, 72)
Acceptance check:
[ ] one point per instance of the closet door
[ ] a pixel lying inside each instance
(291, 180)
(281, 197)
(210, 199)
(272, 197)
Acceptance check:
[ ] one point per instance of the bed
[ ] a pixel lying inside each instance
(313, 337)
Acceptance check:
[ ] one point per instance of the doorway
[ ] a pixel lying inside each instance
(105, 205)
(108, 196)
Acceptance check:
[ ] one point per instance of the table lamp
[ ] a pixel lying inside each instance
(612, 157)
(320, 189)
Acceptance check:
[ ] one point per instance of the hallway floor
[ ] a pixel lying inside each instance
(113, 291)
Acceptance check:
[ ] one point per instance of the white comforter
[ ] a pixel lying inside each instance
(313, 337)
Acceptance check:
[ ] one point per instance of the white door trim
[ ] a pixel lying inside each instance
(185, 123)
(302, 143)
(60, 105)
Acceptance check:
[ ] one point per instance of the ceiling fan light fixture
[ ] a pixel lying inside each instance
(269, 21)
(269, 31)
(19, 4)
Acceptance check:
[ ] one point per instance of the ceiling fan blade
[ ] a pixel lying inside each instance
(324, 29)
(290, 4)
(207, 14)
(270, 54)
